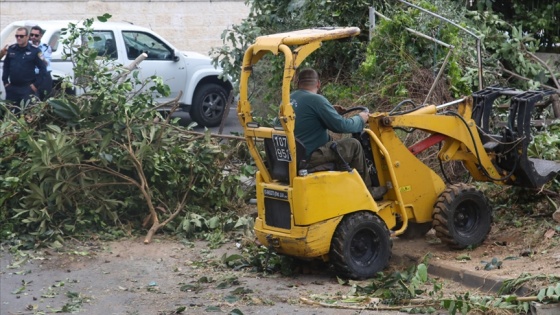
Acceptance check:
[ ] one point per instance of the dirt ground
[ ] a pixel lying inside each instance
(507, 253)
(177, 277)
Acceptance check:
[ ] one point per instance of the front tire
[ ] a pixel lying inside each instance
(361, 246)
(462, 216)
(209, 103)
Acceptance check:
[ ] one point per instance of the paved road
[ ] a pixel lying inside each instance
(127, 277)
(231, 126)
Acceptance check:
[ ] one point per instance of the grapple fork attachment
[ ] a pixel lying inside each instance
(483, 101)
(530, 172)
(510, 146)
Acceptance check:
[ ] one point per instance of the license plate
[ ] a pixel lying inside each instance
(281, 148)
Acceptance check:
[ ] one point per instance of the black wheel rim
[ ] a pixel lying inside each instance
(363, 247)
(213, 105)
(466, 217)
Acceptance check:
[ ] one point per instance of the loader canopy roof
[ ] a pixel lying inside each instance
(296, 46)
(303, 37)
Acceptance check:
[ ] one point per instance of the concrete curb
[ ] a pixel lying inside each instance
(472, 279)
(462, 276)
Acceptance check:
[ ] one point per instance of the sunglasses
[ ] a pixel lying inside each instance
(34, 35)
(20, 36)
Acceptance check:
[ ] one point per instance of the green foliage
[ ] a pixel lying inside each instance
(546, 144)
(338, 93)
(396, 64)
(260, 259)
(539, 18)
(399, 287)
(82, 164)
(236, 41)
(510, 47)
(414, 292)
(395, 57)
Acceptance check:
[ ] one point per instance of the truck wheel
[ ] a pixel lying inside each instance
(209, 104)
(361, 246)
(462, 216)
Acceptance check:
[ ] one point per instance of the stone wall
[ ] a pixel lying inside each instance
(187, 24)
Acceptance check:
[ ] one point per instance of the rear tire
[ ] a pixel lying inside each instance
(361, 246)
(462, 216)
(209, 103)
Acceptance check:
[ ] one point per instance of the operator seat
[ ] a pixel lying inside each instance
(279, 169)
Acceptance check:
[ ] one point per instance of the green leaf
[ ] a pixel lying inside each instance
(54, 128)
(106, 140)
(213, 222)
(204, 279)
(341, 281)
(214, 309)
(463, 257)
(232, 258)
(56, 245)
(231, 298)
(550, 292)
(541, 295)
(526, 307)
(422, 272)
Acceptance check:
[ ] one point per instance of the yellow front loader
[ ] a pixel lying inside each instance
(330, 214)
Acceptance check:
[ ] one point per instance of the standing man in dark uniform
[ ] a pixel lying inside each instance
(35, 37)
(19, 78)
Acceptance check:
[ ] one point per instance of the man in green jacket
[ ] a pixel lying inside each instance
(315, 116)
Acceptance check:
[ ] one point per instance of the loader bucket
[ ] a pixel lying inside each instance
(509, 147)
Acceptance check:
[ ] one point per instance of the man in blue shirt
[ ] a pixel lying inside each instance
(18, 76)
(315, 116)
(35, 37)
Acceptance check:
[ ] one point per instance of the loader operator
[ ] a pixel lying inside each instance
(315, 116)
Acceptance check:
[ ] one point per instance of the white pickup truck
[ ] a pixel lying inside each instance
(205, 93)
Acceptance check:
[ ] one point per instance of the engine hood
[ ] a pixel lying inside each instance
(195, 55)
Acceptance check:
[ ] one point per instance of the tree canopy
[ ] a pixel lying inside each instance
(397, 63)
(538, 17)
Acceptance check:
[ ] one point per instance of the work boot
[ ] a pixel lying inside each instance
(378, 192)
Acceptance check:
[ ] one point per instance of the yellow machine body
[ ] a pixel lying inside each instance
(298, 213)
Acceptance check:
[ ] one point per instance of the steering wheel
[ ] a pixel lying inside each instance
(355, 109)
